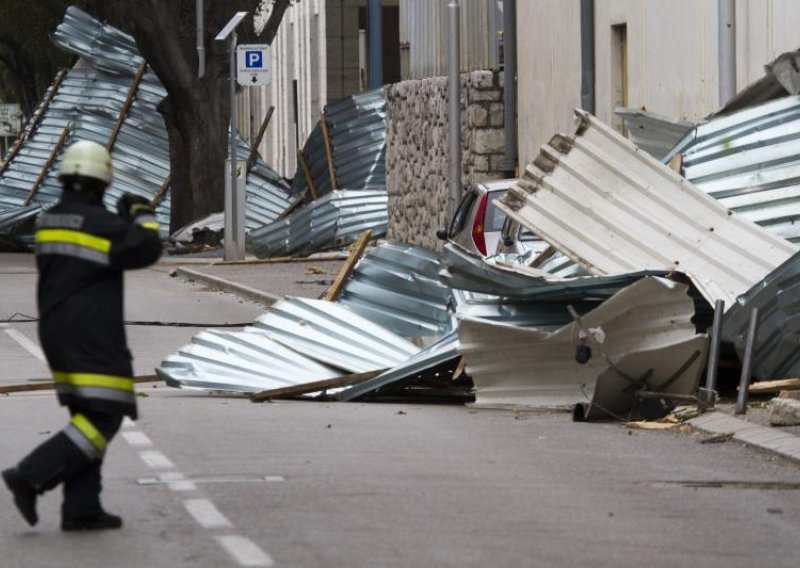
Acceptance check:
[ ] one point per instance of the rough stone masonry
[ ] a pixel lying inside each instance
(417, 149)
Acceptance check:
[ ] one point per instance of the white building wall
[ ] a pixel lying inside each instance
(672, 57)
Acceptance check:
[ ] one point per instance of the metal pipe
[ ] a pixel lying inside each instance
(713, 352)
(231, 240)
(362, 60)
(375, 72)
(727, 50)
(587, 56)
(510, 85)
(747, 364)
(201, 32)
(454, 103)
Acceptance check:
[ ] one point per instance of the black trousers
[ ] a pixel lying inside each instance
(68, 459)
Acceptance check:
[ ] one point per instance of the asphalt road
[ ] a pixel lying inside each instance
(210, 481)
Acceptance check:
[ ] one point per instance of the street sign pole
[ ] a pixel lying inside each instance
(235, 199)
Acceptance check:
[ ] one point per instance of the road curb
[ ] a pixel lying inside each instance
(776, 441)
(227, 286)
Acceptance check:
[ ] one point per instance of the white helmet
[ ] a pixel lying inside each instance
(87, 159)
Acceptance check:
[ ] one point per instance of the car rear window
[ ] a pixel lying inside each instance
(494, 216)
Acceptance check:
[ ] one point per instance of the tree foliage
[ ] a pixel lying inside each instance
(196, 110)
(28, 59)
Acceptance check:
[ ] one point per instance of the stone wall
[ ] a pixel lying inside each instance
(417, 149)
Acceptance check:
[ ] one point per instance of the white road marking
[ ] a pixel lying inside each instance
(177, 481)
(137, 439)
(156, 460)
(26, 344)
(206, 514)
(245, 551)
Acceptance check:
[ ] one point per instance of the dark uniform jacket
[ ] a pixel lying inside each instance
(82, 250)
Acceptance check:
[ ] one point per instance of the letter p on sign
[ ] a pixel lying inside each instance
(254, 59)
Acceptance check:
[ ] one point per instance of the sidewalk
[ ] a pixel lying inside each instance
(267, 283)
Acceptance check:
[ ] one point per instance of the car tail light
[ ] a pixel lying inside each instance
(478, 225)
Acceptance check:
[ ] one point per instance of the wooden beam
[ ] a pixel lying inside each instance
(162, 191)
(274, 260)
(768, 387)
(48, 164)
(125, 107)
(49, 385)
(37, 118)
(293, 205)
(301, 159)
(295, 390)
(251, 159)
(543, 256)
(328, 150)
(347, 268)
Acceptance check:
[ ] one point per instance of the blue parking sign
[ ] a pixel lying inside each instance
(254, 59)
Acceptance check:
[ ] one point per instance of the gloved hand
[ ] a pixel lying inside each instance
(130, 206)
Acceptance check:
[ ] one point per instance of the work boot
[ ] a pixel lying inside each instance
(97, 522)
(24, 494)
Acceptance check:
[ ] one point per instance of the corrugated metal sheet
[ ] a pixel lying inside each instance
(653, 133)
(357, 129)
(12, 218)
(777, 297)
(332, 221)
(334, 335)
(645, 331)
(750, 162)
(613, 210)
(397, 286)
(423, 37)
(90, 99)
(780, 80)
(239, 362)
(438, 353)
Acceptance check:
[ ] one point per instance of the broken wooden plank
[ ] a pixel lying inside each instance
(301, 159)
(347, 268)
(162, 191)
(328, 150)
(793, 394)
(125, 107)
(766, 387)
(296, 390)
(49, 385)
(644, 425)
(48, 164)
(293, 205)
(251, 159)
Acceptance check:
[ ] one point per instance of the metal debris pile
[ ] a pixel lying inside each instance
(110, 97)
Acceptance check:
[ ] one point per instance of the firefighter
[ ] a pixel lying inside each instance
(82, 250)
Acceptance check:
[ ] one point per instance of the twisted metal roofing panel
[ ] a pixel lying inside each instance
(613, 209)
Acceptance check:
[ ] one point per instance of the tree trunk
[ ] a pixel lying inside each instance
(198, 142)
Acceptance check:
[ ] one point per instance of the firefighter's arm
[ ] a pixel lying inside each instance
(137, 244)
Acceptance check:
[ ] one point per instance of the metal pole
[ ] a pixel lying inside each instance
(362, 60)
(232, 217)
(587, 56)
(727, 50)
(747, 364)
(709, 393)
(510, 85)
(201, 32)
(375, 73)
(454, 92)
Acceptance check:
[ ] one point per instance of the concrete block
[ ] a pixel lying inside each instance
(489, 141)
(478, 116)
(482, 79)
(496, 114)
(784, 412)
(485, 96)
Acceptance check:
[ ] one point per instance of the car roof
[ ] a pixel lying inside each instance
(497, 184)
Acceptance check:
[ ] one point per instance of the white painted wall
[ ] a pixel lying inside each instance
(672, 57)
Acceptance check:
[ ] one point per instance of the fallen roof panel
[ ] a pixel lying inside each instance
(512, 365)
(614, 209)
(777, 297)
(655, 134)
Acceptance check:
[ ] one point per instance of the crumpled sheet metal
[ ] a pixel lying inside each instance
(655, 134)
(438, 353)
(357, 129)
(750, 162)
(645, 330)
(334, 220)
(244, 361)
(334, 335)
(12, 218)
(777, 348)
(91, 100)
(396, 285)
(614, 209)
